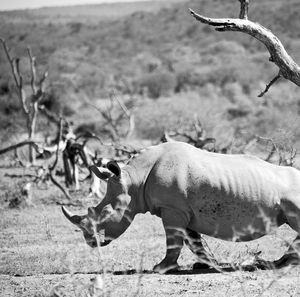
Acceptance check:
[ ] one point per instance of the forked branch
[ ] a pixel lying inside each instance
(18, 78)
(114, 114)
(37, 91)
(288, 68)
(29, 103)
(244, 9)
(20, 144)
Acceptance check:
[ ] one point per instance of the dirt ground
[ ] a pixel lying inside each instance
(42, 254)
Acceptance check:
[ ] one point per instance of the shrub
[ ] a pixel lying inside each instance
(158, 83)
(53, 101)
(169, 114)
(224, 47)
(9, 105)
(4, 87)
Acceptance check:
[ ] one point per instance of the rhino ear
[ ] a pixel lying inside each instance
(91, 212)
(114, 168)
(101, 173)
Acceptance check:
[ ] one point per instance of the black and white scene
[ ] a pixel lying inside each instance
(149, 148)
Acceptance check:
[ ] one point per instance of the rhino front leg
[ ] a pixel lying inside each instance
(174, 224)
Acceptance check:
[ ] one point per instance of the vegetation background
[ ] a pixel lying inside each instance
(158, 58)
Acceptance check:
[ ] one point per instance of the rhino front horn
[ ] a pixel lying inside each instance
(72, 218)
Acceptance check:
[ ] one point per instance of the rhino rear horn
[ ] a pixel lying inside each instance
(75, 219)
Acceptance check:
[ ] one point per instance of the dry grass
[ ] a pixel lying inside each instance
(42, 254)
(41, 250)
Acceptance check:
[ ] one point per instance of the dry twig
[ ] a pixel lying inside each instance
(288, 68)
(29, 104)
(52, 167)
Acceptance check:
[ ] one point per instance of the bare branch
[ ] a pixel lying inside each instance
(283, 159)
(244, 9)
(20, 144)
(102, 112)
(131, 127)
(51, 116)
(289, 69)
(56, 183)
(114, 116)
(42, 81)
(32, 60)
(10, 60)
(88, 135)
(51, 168)
(29, 104)
(123, 107)
(270, 84)
(127, 150)
(15, 69)
(189, 138)
(166, 138)
(271, 153)
(128, 114)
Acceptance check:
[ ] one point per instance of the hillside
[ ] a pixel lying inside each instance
(88, 13)
(158, 52)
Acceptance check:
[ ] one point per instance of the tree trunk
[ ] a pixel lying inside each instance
(31, 132)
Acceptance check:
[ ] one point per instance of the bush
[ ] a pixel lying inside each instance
(158, 83)
(9, 105)
(4, 87)
(224, 47)
(169, 114)
(53, 101)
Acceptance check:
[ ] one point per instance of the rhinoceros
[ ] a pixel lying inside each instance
(194, 192)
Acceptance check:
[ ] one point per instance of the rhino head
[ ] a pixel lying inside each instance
(112, 216)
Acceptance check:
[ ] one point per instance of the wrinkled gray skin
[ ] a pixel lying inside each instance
(232, 197)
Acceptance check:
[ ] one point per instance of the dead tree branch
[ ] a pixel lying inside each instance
(52, 167)
(87, 135)
(286, 157)
(114, 114)
(195, 136)
(129, 115)
(29, 104)
(50, 115)
(20, 144)
(278, 76)
(166, 138)
(288, 68)
(18, 78)
(244, 9)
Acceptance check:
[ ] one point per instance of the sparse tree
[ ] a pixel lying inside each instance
(29, 103)
(196, 135)
(288, 68)
(114, 114)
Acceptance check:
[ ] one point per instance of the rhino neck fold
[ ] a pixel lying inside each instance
(136, 192)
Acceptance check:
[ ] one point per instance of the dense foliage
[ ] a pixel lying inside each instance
(184, 67)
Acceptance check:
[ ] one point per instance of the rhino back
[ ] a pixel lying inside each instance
(222, 192)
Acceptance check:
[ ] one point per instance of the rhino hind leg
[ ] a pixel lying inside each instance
(291, 210)
(194, 241)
